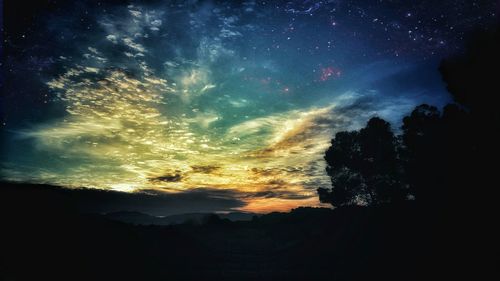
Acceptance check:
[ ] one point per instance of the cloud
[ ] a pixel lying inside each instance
(226, 33)
(295, 129)
(133, 45)
(167, 178)
(205, 169)
(153, 202)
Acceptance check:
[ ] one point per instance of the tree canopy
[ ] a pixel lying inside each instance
(440, 157)
(363, 166)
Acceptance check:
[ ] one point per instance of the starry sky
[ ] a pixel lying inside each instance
(235, 101)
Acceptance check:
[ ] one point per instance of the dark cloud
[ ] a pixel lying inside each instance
(205, 169)
(168, 178)
(277, 182)
(101, 201)
(279, 193)
(266, 172)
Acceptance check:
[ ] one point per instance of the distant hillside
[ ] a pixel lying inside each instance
(139, 218)
(44, 237)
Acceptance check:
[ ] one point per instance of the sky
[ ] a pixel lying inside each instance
(233, 101)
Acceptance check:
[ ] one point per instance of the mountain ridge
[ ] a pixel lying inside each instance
(140, 218)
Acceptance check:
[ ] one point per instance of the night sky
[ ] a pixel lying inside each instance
(234, 100)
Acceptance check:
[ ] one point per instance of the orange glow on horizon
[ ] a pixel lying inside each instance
(269, 205)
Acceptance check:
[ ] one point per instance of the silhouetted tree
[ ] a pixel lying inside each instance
(447, 160)
(472, 78)
(363, 167)
(471, 133)
(421, 152)
(380, 165)
(474, 132)
(343, 159)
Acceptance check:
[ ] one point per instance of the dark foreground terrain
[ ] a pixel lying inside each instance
(44, 237)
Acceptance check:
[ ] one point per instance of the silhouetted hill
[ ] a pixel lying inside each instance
(45, 237)
(135, 218)
(139, 218)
